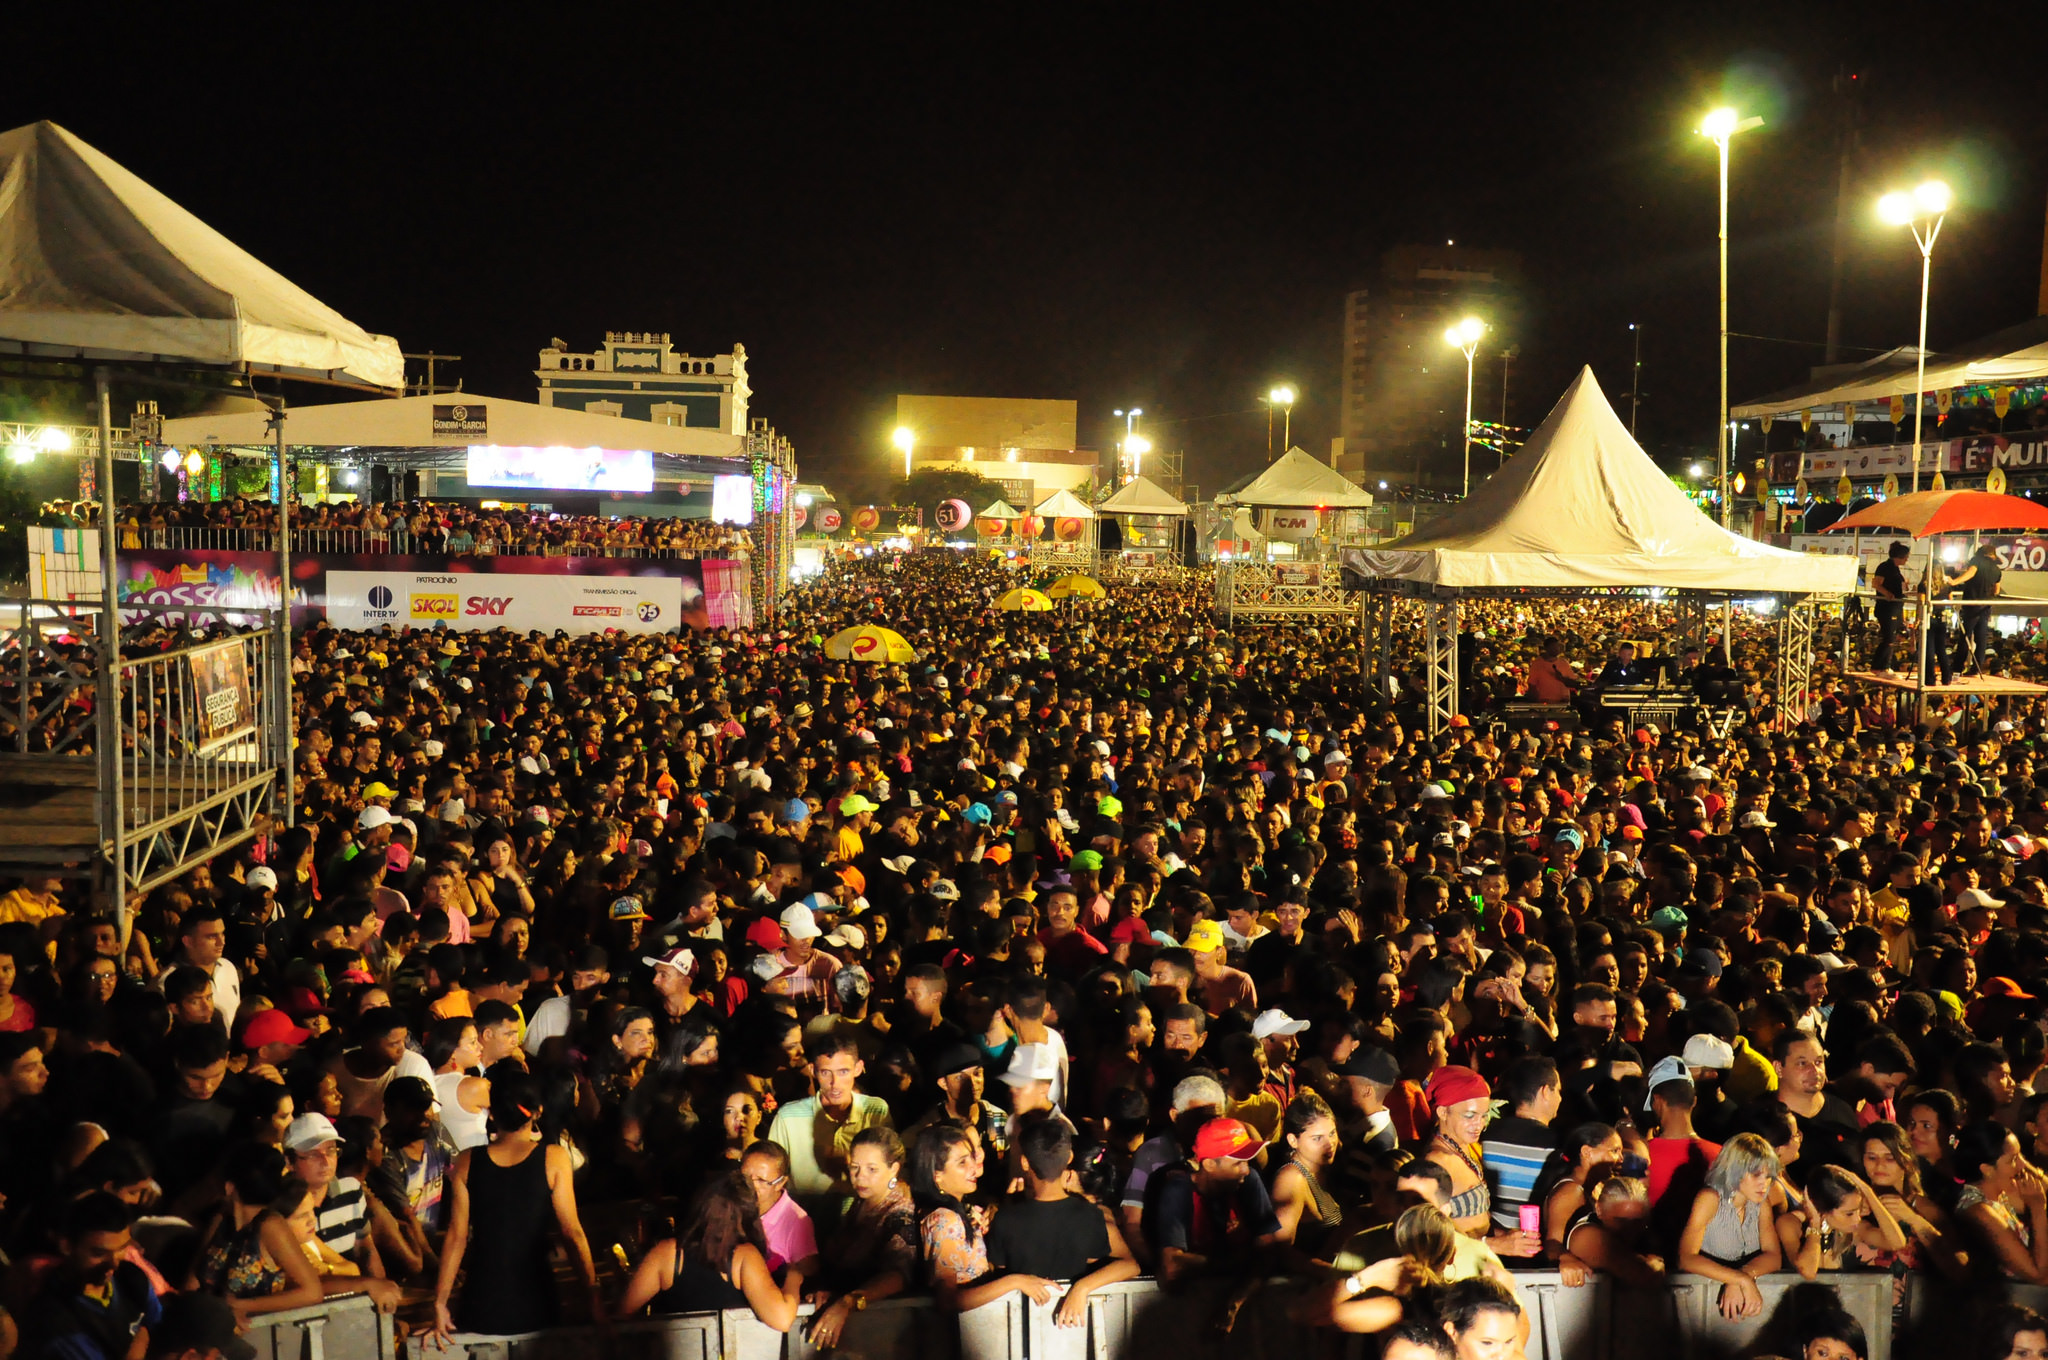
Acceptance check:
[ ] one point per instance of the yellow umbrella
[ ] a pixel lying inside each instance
(1086, 586)
(869, 644)
(1024, 599)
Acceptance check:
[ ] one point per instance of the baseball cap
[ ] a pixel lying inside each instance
(1274, 1022)
(795, 810)
(1708, 1050)
(945, 890)
(1204, 936)
(379, 789)
(1669, 918)
(1975, 897)
(798, 923)
(372, 817)
(847, 936)
(1232, 1138)
(199, 1323)
(978, 814)
(628, 908)
(1571, 836)
(679, 959)
(854, 804)
(272, 1027)
(853, 878)
(1087, 859)
(1110, 806)
(1031, 1062)
(954, 1059)
(309, 1131)
(1706, 960)
(1753, 820)
(1666, 1071)
(765, 934)
(1371, 1064)
(363, 718)
(1432, 792)
(262, 876)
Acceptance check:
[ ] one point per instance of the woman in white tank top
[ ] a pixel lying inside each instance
(455, 1051)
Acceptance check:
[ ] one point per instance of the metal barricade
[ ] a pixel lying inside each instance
(347, 1328)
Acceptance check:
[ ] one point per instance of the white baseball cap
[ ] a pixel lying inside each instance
(1274, 1022)
(261, 877)
(1708, 1050)
(1031, 1062)
(798, 923)
(372, 817)
(309, 1131)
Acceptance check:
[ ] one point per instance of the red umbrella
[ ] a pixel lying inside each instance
(1924, 513)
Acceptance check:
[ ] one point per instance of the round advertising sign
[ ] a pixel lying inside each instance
(798, 515)
(1067, 530)
(953, 516)
(866, 519)
(1031, 526)
(829, 520)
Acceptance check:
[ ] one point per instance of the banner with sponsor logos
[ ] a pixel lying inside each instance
(609, 592)
(480, 600)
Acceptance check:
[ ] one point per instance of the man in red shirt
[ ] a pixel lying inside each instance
(1069, 950)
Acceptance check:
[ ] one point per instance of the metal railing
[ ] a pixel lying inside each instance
(358, 541)
(200, 734)
(48, 671)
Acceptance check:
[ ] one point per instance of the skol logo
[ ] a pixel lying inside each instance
(865, 643)
(435, 606)
(486, 604)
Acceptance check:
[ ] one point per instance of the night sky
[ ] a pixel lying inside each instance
(1148, 208)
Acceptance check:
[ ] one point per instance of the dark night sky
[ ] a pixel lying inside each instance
(1146, 208)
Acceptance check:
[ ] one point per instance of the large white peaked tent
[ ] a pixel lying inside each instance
(96, 264)
(1298, 482)
(1582, 505)
(1064, 505)
(1142, 496)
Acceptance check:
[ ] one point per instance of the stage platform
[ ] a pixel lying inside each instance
(1965, 686)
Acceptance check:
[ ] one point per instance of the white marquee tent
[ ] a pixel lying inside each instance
(1583, 506)
(2016, 354)
(1064, 505)
(1142, 496)
(1296, 481)
(97, 265)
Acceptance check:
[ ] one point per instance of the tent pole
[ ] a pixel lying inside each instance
(287, 799)
(113, 800)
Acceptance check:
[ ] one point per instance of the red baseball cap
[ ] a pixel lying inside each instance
(765, 933)
(2006, 988)
(272, 1027)
(1232, 1138)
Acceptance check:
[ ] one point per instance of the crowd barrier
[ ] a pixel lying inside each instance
(208, 538)
(346, 1328)
(1599, 1320)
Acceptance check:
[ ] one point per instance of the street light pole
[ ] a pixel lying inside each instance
(1465, 336)
(1927, 204)
(1283, 397)
(1721, 125)
(906, 440)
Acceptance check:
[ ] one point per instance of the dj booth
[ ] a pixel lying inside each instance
(1669, 707)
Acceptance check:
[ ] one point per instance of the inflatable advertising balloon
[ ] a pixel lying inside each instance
(992, 527)
(829, 519)
(798, 515)
(866, 519)
(1031, 526)
(1068, 529)
(953, 516)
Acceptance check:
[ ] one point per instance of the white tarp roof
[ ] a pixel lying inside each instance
(1298, 482)
(1000, 510)
(408, 422)
(1064, 505)
(2015, 354)
(1583, 505)
(94, 263)
(1142, 496)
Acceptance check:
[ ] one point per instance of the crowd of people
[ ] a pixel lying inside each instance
(611, 974)
(442, 527)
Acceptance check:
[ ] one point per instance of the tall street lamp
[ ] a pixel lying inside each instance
(1924, 209)
(1721, 125)
(1134, 443)
(905, 440)
(1465, 336)
(1282, 397)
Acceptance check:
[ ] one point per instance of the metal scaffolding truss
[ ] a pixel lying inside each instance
(1376, 629)
(1440, 642)
(1796, 624)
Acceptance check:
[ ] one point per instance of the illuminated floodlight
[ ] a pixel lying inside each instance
(1720, 123)
(171, 459)
(50, 439)
(1465, 333)
(194, 463)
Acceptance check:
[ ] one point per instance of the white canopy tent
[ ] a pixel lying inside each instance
(97, 265)
(2016, 354)
(1053, 553)
(1001, 509)
(1142, 496)
(1150, 522)
(408, 423)
(1296, 481)
(1583, 506)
